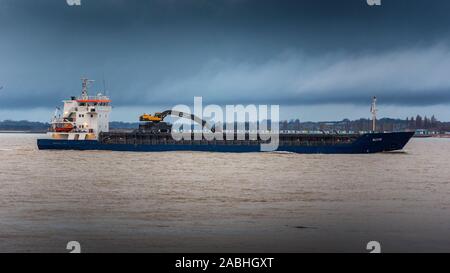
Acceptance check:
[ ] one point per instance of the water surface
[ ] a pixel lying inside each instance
(219, 202)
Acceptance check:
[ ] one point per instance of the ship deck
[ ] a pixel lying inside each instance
(285, 139)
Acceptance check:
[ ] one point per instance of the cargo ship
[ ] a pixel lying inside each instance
(84, 125)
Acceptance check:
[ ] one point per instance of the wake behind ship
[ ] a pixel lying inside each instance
(84, 125)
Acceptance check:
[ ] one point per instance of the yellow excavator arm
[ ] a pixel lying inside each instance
(147, 117)
(157, 117)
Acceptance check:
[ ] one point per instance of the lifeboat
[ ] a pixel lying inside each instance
(64, 128)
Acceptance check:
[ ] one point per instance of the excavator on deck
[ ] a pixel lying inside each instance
(155, 123)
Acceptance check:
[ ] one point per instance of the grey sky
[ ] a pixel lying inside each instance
(318, 59)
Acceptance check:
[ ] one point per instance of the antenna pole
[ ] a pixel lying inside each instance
(104, 84)
(373, 110)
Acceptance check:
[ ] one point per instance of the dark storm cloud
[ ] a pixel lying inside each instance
(164, 52)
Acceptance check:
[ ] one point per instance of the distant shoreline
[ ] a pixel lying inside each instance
(22, 132)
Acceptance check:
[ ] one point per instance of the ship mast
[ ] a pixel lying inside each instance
(374, 110)
(85, 83)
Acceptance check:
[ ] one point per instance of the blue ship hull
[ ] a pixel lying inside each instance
(366, 143)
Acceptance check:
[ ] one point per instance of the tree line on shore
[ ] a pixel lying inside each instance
(384, 124)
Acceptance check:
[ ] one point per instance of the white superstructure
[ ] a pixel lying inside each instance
(83, 117)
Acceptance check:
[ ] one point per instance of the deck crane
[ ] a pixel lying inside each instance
(155, 123)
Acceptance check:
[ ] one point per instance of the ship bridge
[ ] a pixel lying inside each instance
(83, 117)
